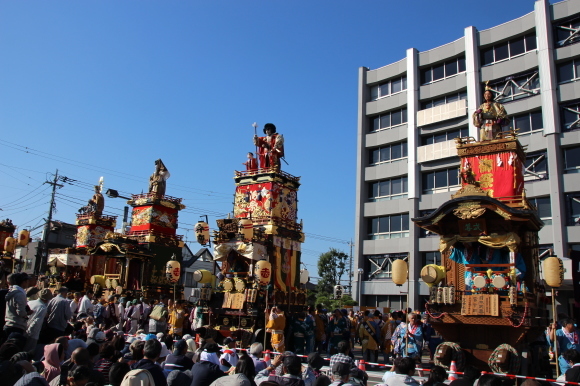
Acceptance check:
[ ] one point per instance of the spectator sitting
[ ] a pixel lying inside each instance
(79, 376)
(53, 356)
(138, 377)
(489, 380)
(151, 352)
(107, 353)
(470, 375)
(243, 374)
(291, 368)
(315, 363)
(256, 353)
(437, 377)
(135, 353)
(178, 360)
(117, 372)
(79, 357)
(573, 358)
(340, 374)
(404, 369)
(342, 356)
(207, 370)
(179, 378)
(191, 348)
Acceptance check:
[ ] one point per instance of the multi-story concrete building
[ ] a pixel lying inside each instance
(410, 111)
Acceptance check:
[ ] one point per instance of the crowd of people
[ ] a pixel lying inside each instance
(59, 338)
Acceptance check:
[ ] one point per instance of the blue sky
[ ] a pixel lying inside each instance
(103, 88)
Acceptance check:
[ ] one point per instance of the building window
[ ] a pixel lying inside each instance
(572, 159)
(431, 258)
(536, 166)
(388, 153)
(390, 119)
(508, 49)
(439, 181)
(573, 208)
(392, 86)
(443, 100)
(516, 87)
(391, 189)
(568, 71)
(567, 32)
(442, 70)
(543, 207)
(570, 115)
(528, 122)
(380, 266)
(443, 136)
(389, 227)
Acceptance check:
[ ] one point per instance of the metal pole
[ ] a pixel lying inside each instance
(555, 336)
(44, 256)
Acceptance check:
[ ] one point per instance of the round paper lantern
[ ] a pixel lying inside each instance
(9, 244)
(173, 271)
(201, 230)
(399, 272)
(263, 272)
(202, 276)
(432, 274)
(553, 271)
(246, 228)
(23, 238)
(304, 276)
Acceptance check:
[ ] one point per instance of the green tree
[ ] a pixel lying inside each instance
(331, 266)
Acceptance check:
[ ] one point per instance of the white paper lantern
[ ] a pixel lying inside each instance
(304, 276)
(173, 271)
(399, 272)
(263, 272)
(23, 238)
(9, 244)
(201, 230)
(246, 228)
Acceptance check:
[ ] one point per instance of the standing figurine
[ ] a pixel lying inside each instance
(490, 117)
(251, 163)
(270, 147)
(158, 180)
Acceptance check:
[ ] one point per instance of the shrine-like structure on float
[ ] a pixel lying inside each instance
(487, 297)
(132, 262)
(259, 247)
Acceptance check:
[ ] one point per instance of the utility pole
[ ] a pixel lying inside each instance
(350, 273)
(40, 265)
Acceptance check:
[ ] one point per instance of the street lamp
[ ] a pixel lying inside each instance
(359, 297)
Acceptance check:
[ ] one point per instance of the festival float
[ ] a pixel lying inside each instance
(487, 299)
(259, 248)
(8, 244)
(144, 261)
